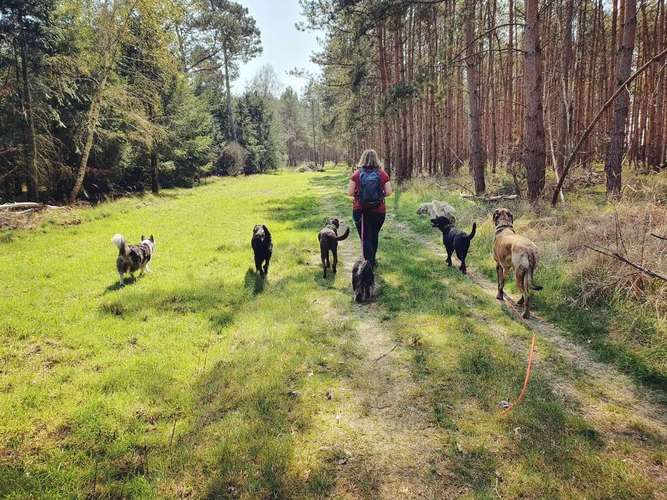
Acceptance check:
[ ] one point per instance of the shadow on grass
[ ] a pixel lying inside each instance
(468, 373)
(254, 281)
(244, 411)
(592, 327)
(249, 402)
(127, 281)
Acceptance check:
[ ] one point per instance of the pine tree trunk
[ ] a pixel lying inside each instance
(384, 81)
(566, 96)
(155, 171)
(91, 127)
(613, 164)
(474, 112)
(230, 114)
(534, 145)
(31, 141)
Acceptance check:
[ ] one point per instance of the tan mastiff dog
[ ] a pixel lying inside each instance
(512, 251)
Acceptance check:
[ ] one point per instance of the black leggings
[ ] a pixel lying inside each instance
(372, 225)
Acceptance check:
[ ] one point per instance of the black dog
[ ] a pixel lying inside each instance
(328, 238)
(363, 280)
(262, 247)
(454, 240)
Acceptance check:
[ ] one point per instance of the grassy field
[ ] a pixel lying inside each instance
(201, 380)
(599, 303)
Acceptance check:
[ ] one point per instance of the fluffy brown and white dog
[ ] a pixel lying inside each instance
(133, 258)
(363, 280)
(328, 238)
(512, 251)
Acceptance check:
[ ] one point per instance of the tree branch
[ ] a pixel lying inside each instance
(617, 256)
(589, 129)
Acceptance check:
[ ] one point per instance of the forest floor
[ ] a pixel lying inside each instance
(201, 379)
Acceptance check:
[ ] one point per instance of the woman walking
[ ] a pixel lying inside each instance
(369, 185)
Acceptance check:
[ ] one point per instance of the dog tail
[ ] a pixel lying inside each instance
(344, 235)
(473, 232)
(533, 266)
(119, 241)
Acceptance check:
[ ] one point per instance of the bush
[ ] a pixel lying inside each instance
(231, 159)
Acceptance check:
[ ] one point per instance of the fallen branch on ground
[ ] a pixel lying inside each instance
(457, 184)
(390, 350)
(618, 256)
(27, 205)
(490, 198)
(659, 237)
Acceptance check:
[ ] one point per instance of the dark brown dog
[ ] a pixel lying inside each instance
(512, 251)
(328, 238)
(363, 280)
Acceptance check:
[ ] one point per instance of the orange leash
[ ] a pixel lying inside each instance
(531, 354)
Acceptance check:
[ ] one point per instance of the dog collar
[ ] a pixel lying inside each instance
(504, 226)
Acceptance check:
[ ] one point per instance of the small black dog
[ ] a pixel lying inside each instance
(454, 240)
(328, 238)
(262, 247)
(363, 280)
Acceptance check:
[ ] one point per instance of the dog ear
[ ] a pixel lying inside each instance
(266, 230)
(151, 238)
(142, 238)
(496, 213)
(511, 216)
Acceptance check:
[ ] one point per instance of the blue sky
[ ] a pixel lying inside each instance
(285, 47)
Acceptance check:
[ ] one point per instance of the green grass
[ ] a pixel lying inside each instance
(96, 378)
(608, 327)
(545, 449)
(199, 379)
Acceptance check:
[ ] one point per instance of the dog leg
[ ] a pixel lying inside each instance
(463, 267)
(520, 277)
(334, 251)
(266, 266)
(122, 282)
(449, 258)
(525, 293)
(526, 307)
(500, 273)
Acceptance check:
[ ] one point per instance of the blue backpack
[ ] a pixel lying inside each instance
(371, 193)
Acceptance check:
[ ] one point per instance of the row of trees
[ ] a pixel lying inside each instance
(100, 97)
(444, 82)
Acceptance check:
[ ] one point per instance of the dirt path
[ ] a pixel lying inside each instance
(381, 433)
(385, 443)
(605, 396)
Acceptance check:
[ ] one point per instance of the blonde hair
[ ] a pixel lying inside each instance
(369, 159)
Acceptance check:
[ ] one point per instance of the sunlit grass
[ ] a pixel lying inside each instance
(603, 327)
(180, 381)
(201, 380)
